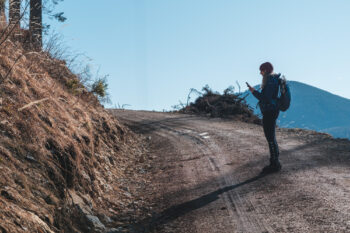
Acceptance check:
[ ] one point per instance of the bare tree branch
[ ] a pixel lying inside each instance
(32, 103)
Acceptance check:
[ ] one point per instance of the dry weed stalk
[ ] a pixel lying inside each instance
(32, 103)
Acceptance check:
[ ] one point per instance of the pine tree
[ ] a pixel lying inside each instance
(36, 23)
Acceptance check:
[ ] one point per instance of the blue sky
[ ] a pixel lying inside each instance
(156, 50)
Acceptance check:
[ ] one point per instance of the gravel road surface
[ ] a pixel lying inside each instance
(206, 173)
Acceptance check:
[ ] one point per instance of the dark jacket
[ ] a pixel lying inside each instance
(268, 96)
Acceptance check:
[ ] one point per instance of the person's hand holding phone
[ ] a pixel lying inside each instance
(251, 89)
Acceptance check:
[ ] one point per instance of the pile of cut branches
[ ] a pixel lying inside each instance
(213, 104)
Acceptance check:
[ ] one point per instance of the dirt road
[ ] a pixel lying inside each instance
(206, 173)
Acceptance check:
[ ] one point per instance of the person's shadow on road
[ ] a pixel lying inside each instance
(176, 211)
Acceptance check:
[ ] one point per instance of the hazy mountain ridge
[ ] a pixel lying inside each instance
(313, 108)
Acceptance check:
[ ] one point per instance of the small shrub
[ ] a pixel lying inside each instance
(99, 87)
(72, 84)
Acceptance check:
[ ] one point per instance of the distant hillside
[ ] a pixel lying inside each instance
(313, 108)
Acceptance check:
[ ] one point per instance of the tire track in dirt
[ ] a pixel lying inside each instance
(209, 179)
(233, 202)
(240, 220)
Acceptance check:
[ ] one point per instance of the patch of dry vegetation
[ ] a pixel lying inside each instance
(229, 105)
(66, 164)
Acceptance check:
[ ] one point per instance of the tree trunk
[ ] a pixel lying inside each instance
(36, 23)
(15, 12)
(2, 14)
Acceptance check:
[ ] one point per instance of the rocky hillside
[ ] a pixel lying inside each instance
(66, 164)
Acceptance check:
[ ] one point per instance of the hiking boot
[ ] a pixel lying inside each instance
(272, 168)
(275, 165)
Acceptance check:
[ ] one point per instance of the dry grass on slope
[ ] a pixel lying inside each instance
(65, 162)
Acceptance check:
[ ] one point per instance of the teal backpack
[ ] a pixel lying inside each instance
(284, 98)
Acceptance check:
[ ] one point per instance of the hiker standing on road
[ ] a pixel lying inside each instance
(270, 111)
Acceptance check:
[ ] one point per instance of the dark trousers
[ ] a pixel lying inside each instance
(269, 125)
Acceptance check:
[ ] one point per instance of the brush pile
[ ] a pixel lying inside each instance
(227, 105)
(66, 164)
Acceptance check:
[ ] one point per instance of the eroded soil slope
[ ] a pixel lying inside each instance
(66, 164)
(207, 174)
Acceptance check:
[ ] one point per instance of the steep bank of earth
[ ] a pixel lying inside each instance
(66, 164)
(207, 175)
